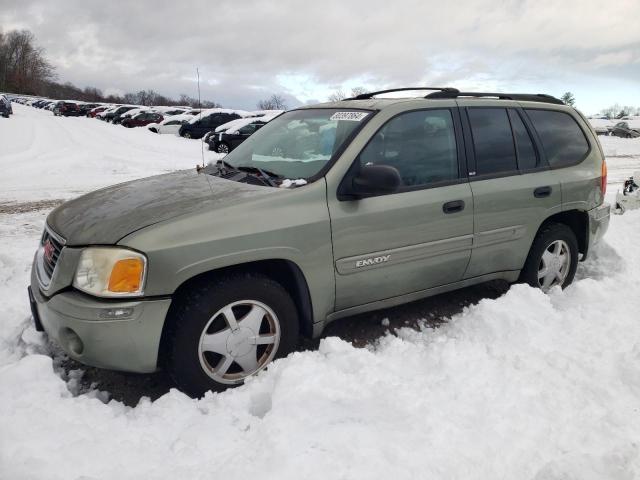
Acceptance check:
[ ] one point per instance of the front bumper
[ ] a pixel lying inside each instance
(598, 224)
(85, 328)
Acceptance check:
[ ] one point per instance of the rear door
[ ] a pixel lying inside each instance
(513, 188)
(418, 237)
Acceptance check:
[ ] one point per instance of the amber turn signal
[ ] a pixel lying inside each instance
(126, 276)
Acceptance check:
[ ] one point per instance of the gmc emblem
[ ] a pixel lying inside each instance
(48, 251)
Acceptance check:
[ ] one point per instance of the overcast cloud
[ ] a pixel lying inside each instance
(249, 49)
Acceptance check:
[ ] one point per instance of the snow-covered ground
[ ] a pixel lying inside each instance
(47, 157)
(527, 386)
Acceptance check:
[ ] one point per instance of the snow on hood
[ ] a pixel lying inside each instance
(180, 117)
(135, 111)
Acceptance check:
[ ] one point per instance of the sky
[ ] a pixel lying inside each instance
(246, 50)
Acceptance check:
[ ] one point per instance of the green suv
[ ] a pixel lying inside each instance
(325, 212)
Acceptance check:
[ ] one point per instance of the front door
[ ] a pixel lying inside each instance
(417, 238)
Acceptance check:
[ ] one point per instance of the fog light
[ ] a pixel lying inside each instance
(116, 313)
(72, 340)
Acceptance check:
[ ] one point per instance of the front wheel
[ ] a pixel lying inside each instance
(222, 148)
(221, 332)
(553, 258)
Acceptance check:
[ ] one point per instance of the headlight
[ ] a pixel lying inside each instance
(111, 272)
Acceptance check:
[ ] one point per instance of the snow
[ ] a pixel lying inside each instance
(287, 183)
(135, 111)
(209, 111)
(532, 386)
(601, 123)
(51, 157)
(173, 118)
(234, 125)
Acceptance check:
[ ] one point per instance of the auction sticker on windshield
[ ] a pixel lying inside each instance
(350, 116)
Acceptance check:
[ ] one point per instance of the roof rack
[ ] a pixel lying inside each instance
(365, 96)
(523, 97)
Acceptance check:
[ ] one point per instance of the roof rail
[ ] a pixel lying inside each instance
(365, 96)
(524, 97)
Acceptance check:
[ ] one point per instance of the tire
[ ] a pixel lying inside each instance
(187, 135)
(204, 353)
(222, 148)
(555, 251)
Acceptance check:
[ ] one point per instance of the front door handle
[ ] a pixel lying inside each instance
(453, 207)
(542, 192)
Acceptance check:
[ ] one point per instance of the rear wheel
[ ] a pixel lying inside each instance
(553, 258)
(221, 332)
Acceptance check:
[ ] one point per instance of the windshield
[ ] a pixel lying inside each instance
(298, 144)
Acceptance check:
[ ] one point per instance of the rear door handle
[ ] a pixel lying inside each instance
(453, 207)
(542, 192)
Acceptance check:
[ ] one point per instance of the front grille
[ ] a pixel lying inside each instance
(51, 246)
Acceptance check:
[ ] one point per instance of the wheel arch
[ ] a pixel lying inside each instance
(578, 222)
(285, 272)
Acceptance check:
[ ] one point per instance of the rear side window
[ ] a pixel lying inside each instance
(492, 141)
(527, 157)
(562, 138)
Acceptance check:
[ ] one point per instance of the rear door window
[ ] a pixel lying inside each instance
(492, 141)
(563, 140)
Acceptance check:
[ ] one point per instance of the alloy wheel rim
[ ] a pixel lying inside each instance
(222, 148)
(554, 265)
(238, 341)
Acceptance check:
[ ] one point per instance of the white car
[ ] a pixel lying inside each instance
(170, 124)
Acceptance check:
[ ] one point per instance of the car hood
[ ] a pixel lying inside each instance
(105, 216)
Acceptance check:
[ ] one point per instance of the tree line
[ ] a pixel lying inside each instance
(25, 70)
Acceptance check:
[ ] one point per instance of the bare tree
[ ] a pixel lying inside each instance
(337, 96)
(275, 102)
(23, 67)
(340, 95)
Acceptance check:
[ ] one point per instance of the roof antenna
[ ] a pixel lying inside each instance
(198, 167)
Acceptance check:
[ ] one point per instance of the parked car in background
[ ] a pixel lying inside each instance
(141, 119)
(209, 120)
(108, 113)
(134, 111)
(5, 106)
(170, 125)
(66, 109)
(601, 125)
(94, 111)
(86, 107)
(116, 117)
(170, 111)
(228, 136)
(626, 129)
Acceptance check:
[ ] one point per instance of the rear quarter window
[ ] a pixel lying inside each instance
(563, 140)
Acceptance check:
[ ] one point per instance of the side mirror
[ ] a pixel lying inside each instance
(374, 180)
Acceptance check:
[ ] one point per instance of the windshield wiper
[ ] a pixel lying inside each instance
(269, 177)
